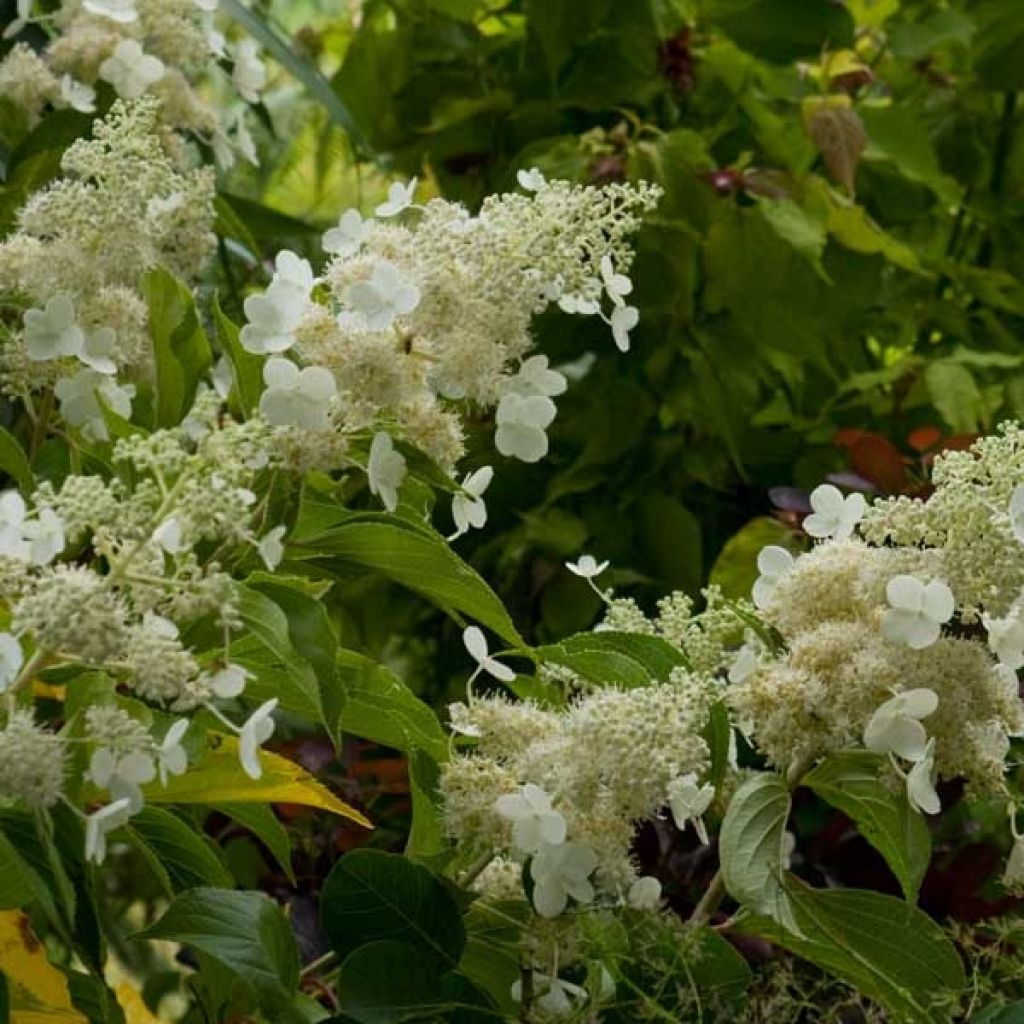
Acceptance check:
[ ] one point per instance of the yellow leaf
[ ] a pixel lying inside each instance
(38, 991)
(218, 778)
(135, 1010)
(48, 691)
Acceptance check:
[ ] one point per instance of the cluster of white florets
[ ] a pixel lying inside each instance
(146, 565)
(878, 644)
(171, 50)
(74, 265)
(972, 525)
(563, 788)
(424, 311)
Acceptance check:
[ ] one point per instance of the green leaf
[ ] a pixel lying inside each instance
(750, 847)
(998, 43)
(615, 659)
(888, 950)
(387, 982)
(246, 932)
(735, 569)
(804, 231)
(850, 781)
(493, 947)
(264, 647)
(15, 464)
(230, 225)
(895, 133)
(378, 706)
(1013, 1014)
(370, 896)
(420, 560)
(427, 834)
(955, 394)
(718, 736)
(247, 368)
(180, 349)
(671, 542)
(782, 30)
(55, 132)
(259, 819)
(188, 857)
(309, 76)
(20, 883)
(851, 225)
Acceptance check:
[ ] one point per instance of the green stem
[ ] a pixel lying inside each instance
(709, 902)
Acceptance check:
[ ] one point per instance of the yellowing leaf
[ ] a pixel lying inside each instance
(218, 778)
(130, 1001)
(38, 991)
(48, 691)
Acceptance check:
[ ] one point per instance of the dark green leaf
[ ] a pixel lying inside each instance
(15, 464)
(387, 982)
(246, 932)
(370, 895)
(261, 822)
(887, 949)
(378, 706)
(187, 856)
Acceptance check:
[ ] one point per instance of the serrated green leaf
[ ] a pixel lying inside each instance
(750, 847)
(850, 781)
(181, 351)
(187, 857)
(246, 932)
(615, 659)
(887, 949)
(370, 895)
(418, 559)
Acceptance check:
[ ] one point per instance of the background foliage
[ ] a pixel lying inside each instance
(833, 284)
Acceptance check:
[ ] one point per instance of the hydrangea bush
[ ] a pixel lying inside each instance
(182, 492)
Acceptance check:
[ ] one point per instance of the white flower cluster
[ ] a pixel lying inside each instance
(145, 565)
(74, 264)
(879, 646)
(168, 49)
(425, 311)
(563, 788)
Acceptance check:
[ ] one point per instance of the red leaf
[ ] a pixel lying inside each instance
(879, 460)
(924, 439)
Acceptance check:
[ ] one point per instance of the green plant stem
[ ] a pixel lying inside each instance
(709, 902)
(526, 993)
(317, 965)
(473, 872)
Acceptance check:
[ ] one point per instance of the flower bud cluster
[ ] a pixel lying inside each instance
(171, 50)
(425, 312)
